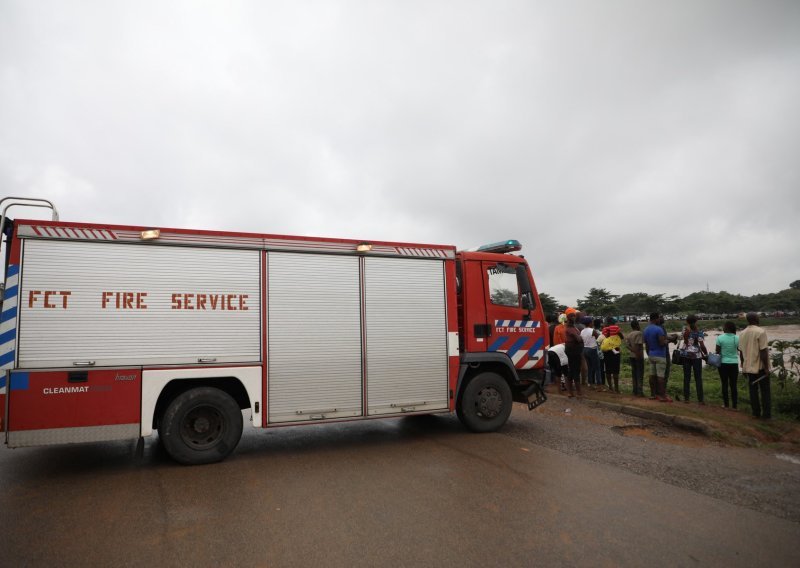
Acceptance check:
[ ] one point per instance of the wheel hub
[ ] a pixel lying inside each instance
(490, 403)
(202, 427)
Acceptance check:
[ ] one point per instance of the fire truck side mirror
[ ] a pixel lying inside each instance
(522, 280)
(525, 290)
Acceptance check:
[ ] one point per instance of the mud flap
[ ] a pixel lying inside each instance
(534, 395)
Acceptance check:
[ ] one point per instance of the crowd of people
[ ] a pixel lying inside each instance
(586, 352)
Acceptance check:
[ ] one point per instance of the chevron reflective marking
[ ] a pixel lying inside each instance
(7, 347)
(517, 323)
(532, 363)
(497, 344)
(518, 344)
(537, 346)
(518, 356)
(11, 334)
(534, 354)
(8, 319)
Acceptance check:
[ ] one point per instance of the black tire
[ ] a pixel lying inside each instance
(486, 403)
(201, 425)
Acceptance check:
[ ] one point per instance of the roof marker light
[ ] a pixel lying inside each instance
(510, 245)
(364, 247)
(150, 234)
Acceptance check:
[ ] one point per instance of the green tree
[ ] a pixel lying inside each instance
(795, 285)
(549, 304)
(505, 297)
(669, 305)
(598, 302)
(639, 303)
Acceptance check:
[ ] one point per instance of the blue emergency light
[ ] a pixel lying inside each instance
(510, 245)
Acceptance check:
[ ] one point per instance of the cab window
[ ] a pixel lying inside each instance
(503, 286)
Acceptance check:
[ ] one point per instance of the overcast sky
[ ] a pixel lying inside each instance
(631, 145)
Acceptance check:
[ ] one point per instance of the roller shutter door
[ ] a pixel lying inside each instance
(314, 323)
(216, 319)
(406, 335)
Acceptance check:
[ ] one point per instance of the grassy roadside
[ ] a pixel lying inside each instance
(735, 428)
(738, 428)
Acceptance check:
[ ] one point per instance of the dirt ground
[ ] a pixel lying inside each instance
(731, 427)
(740, 460)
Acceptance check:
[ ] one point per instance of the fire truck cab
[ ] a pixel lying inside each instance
(115, 332)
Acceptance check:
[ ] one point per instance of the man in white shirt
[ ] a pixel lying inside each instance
(589, 335)
(558, 362)
(754, 356)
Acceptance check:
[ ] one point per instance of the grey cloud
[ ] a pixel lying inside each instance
(620, 141)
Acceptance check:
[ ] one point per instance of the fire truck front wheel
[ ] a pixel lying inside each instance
(486, 403)
(201, 425)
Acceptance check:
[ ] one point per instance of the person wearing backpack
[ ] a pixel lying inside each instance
(695, 347)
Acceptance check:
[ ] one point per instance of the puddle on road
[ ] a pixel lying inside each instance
(659, 435)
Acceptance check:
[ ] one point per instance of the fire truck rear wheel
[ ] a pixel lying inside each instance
(201, 425)
(486, 403)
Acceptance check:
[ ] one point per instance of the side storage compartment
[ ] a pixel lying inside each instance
(56, 407)
(314, 337)
(90, 304)
(406, 335)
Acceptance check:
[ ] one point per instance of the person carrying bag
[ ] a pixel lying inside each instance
(695, 352)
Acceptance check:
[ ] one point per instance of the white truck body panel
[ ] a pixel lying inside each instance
(346, 336)
(154, 381)
(406, 335)
(94, 328)
(314, 335)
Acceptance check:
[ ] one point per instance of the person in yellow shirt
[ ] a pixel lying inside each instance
(754, 356)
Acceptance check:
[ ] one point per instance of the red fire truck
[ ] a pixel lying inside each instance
(111, 332)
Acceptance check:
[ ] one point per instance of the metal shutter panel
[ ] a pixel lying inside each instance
(157, 335)
(314, 324)
(406, 335)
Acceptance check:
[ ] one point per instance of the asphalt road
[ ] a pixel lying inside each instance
(397, 492)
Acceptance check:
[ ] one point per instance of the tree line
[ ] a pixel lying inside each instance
(601, 302)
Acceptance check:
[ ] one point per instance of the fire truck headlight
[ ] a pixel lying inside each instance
(150, 234)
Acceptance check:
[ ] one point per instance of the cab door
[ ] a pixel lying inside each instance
(510, 310)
